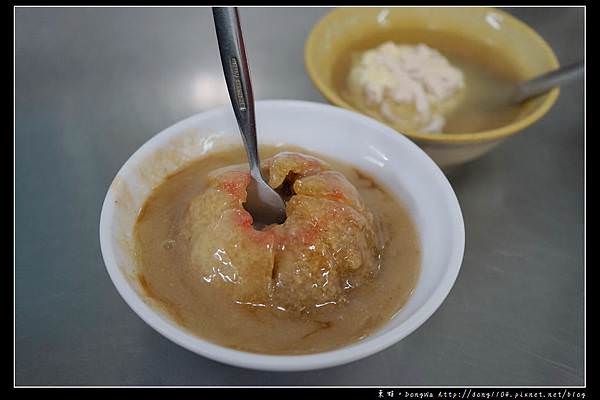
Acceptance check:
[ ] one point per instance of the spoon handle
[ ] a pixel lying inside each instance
(547, 81)
(237, 77)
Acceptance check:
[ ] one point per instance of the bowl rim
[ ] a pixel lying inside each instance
(486, 135)
(352, 352)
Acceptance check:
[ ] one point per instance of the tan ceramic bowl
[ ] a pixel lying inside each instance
(335, 33)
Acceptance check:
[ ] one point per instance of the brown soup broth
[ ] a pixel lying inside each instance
(488, 77)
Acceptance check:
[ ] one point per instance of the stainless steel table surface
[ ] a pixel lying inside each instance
(93, 84)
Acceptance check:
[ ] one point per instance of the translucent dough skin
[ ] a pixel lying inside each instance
(226, 251)
(328, 244)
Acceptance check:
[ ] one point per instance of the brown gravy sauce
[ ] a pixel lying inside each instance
(160, 253)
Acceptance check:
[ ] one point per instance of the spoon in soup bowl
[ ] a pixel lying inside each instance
(263, 203)
(509, 96)
(541, 84)
(515, 94)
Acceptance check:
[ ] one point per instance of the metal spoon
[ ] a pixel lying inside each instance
(543, 83)
(263, 203)
(514, 94)
(511, 95)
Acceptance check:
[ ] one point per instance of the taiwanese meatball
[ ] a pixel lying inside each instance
(328, 245)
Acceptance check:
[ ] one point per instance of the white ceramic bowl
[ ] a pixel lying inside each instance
(345, 135)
